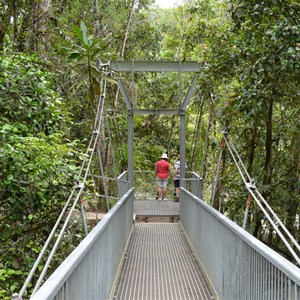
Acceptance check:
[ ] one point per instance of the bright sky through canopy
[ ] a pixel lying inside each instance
(167, 3)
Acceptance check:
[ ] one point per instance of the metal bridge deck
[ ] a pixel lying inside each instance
(159, 265)
(152, 208)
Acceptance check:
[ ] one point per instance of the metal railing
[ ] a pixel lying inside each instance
(238, 265)
(145, 185)
(123, 184)
(90, 270)
(194, 184)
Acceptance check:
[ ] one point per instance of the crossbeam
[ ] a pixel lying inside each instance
(135, 66)
(157, 111)
(155, 66)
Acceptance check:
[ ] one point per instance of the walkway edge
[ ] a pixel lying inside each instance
(205, 274)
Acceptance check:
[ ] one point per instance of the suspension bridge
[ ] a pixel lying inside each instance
(162, 250)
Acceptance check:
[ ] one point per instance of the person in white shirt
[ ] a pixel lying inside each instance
(176, 179)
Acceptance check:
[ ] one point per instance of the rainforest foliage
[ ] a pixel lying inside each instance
(51, 53)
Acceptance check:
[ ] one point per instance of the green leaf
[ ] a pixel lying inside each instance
(111, 80)
(78, 33)
(13, 287)
(96, 86)
(84, 33)
(74, 55)
(10, 177)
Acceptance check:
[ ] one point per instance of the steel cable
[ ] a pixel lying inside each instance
(251, 189)
(79, 187)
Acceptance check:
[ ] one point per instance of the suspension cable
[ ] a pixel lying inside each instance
(112, 150)
(240, 160)
(86, 155)
(81, 188)
(251, 189)
(233, 157)
(284, 240)
(78, 190)
(216, 178)
(278, 220)
(29, 277)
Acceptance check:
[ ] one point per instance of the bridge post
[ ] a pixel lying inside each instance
(130, 147)
(129, 106)
(156, 66)
(182, 148)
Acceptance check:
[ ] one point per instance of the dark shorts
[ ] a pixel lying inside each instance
(176, 183)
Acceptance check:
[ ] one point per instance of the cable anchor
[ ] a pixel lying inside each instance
(78, 186)
(251, 185)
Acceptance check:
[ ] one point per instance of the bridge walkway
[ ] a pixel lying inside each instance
(159, 263)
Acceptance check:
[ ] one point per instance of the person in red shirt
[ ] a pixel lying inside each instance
(162, 175)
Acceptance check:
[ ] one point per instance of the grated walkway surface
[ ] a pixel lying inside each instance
(156, 208)
(159, 265)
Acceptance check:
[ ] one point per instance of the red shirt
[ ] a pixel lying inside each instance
(162, 169)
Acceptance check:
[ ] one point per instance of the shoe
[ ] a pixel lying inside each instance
(176, 200)
(165, 199)
(159, 199)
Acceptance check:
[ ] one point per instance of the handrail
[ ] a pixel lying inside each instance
(74, 198)
(252, 190)
(230, 255)
(114, 230)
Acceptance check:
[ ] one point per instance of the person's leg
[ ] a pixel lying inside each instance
(159, 193)
(177, 190)
(159, 189)
(164, 189)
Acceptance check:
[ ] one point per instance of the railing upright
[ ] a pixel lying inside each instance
(237, 265)
(90, 270)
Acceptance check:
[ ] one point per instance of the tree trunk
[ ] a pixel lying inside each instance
(43, 27)
(173, 126)
(251, 155)
(267, 167)
(217, 201)
(2, 35)
(196, 138)
(96, 18)
(123, 47)
(293, 201)
(203, 167)
(183, 26)
(218, 198)
(251, 147)
(127, 28)
(15, 21)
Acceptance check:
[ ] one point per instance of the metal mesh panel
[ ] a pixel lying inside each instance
(160, 265)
